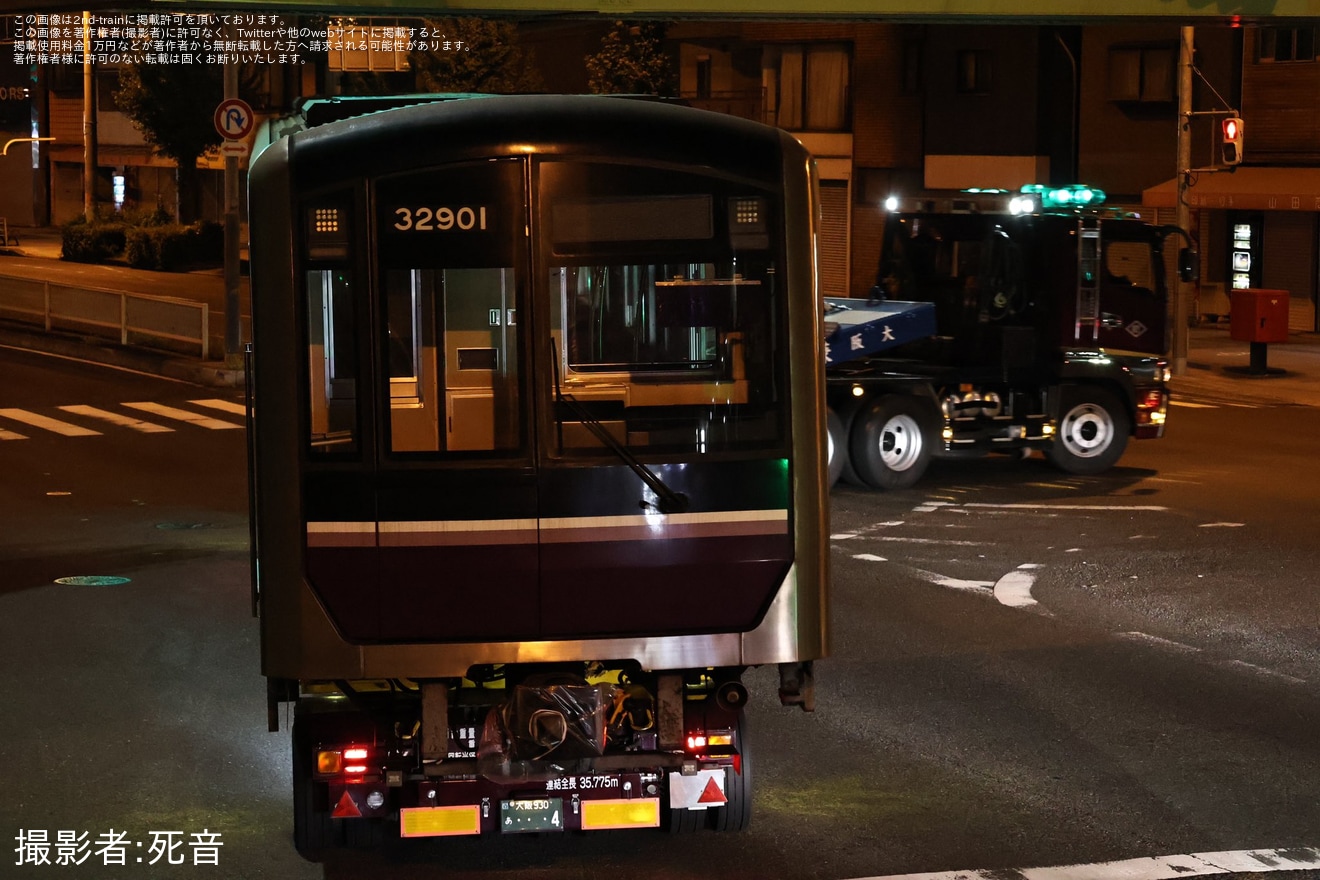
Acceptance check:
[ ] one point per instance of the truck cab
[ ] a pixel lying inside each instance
(1050, 332)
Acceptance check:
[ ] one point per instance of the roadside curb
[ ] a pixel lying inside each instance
(70, 345)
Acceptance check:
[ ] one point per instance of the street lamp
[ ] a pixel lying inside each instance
(9, 143)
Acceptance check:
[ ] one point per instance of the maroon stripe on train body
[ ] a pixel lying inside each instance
(585, 582)
(426, 538)
(346, 538)
(620, 588)
(473, 593)
(345, 578)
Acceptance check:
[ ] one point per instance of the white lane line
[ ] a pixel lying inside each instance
(1221, 525)
(183, 415)
(1157, 641)
(1014, 588)
(950, 582)
(119, 419)
(1253, 861)
(935, 541)
(227, 405)
(1190, 405)
(47, 423)
(1067, 507)
(870, 557)
(1242, 665)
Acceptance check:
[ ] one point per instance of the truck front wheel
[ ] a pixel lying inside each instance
(891, 441)
(1093, 431)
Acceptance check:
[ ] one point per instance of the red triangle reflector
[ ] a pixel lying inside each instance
(346, 809)
(710, 795)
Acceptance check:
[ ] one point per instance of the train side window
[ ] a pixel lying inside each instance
(332, 359)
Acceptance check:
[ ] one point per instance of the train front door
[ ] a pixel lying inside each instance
(456, 489)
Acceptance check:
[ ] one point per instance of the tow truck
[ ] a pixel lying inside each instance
(1002, 322)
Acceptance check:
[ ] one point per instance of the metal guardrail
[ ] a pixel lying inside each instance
(127, 318)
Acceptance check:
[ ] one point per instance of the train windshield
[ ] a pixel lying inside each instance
(664, 313)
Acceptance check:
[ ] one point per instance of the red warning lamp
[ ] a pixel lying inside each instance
(1230, 145)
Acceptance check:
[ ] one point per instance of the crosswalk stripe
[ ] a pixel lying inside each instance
(10, 435)
(227, 405)
(117, 419)
(47, 423)
(183, 415)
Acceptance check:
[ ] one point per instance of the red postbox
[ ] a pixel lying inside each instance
(1259, 315)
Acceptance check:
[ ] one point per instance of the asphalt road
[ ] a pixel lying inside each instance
(1027, 669)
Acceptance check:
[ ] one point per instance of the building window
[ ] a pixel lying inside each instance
(807, 86)
(703, 76)
(974, 72)
(911, 74)
(1285, 44)
(1143, 74)
(107, 91)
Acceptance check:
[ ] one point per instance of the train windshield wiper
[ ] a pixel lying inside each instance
(668, 501)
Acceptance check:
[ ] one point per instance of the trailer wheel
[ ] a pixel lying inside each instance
(686, 821)
(1093, 431)
(891, 441)
(837, 438)
(314, 831)
(736, 815)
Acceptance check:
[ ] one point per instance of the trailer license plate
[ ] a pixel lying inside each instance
(532, 814)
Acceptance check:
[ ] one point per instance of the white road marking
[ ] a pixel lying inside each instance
(952, 583)
(1252, 861)
(227, 405)
(1014, 588)
(1221, 525)
(122, 421)
(76, 360)
(1067, 507)
(11, 435)
(897, 540)
(1261, 670)
(47, 423)
(182, 415)
(1157, 641)
(870, 557)
(1190, 405)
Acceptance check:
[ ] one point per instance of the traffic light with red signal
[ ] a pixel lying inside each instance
(1230, 143)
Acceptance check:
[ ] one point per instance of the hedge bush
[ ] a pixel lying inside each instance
(174, 247)
(146, 239)
(83, 242)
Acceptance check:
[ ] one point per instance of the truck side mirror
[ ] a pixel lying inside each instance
(1189, 264)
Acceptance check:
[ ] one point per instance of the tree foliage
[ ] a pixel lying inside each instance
(173, 105)
(631, 61)
(474, 55)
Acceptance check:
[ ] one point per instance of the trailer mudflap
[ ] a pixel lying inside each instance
(698, 791)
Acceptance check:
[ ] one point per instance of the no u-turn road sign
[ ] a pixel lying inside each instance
(233, 119)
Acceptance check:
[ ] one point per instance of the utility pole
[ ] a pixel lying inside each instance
(233, 282)
(89, 121)
(1184, 215)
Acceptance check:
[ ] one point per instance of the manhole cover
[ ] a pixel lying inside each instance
(93, 580)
